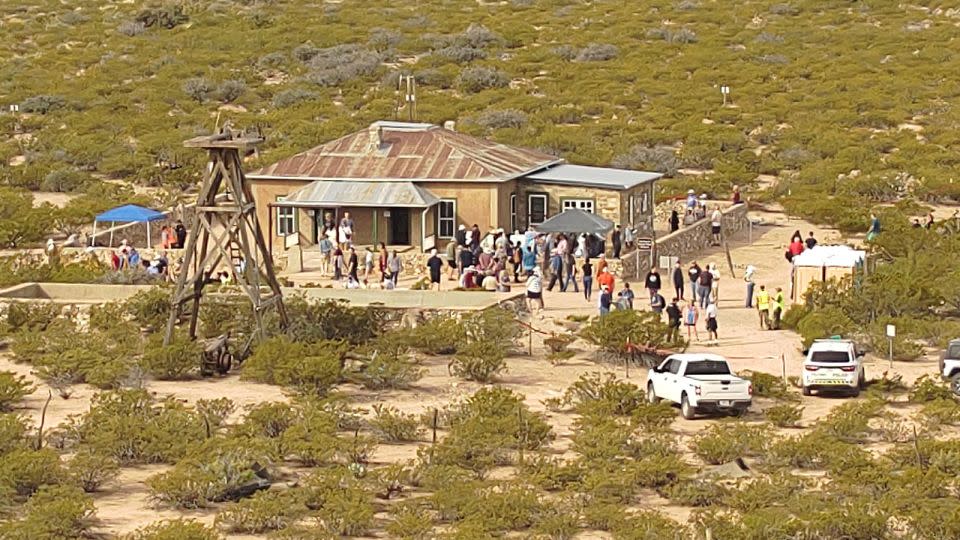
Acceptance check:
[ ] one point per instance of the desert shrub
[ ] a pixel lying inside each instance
(333, 320)
(504, 507)
(597, 393)
(823, 322)
(389, 364)
(26, 471)
(168, 16)
(312, 439)
(486, 427)
(725, 442)
(382, 39)
(784, 415)
(771, 386)
(90, 471)
(175, 529)
(681, 35)
(597, 52)
(64, 180)
(42, 104)
(177, 361)
(814, 450)
(293, 96)
(604, 516)
(263, 512)
(565, 52)
(616, 329)
(460, 54)
(850, 422)
(658, 159)
(499, 119)
(341, 64)
(940, 412)
(694, 492)
(928, 388)
(61, 512)
(551, 474)
(131, 28)
(649, 524)
(215, 411)
(477, 78)
(309, 368)
(762, 492)
(13, 428)
(198, 88)
(559, 521)
(343, 505)
(269, 419)
(390, 425)
(438, 335)
(479, 361)
(149, 308)
(29, 317)
(213, 472)
(410, 523)
(230, 90)
(13, 388)
(130, 427)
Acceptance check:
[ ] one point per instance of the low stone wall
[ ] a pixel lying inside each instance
(691, 239)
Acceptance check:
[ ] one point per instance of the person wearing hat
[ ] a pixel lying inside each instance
(461, 235)
(748, 278)
(691, 199)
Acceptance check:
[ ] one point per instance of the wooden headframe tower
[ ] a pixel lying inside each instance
(225, 232)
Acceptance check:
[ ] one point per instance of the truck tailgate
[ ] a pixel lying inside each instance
(717, 387)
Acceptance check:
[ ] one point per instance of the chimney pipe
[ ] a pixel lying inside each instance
(376, 136)
(450, 124)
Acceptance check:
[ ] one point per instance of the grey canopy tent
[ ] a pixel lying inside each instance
(576, 221)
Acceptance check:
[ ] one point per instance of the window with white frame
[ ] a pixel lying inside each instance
(582, 204)
(446, 218)
(286, 219)
(513, 212)
(536, 208)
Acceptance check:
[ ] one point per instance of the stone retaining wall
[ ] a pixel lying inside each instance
(691, 239)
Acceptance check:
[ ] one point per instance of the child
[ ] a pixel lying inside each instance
(626, 297)
(338, 264)
(690, 316)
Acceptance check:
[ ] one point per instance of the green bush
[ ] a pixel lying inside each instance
(410, 523)
(390, 425)
(90, 471)
(13, 388)
(724, 442)
(311, 369)
(263, 512)
(150, 308)
(61, 512)
(766, 385)
(389, 365)
(438, 335)
(784, 415)
(479, 361)
(618, 328)
(694, 492)
(177, 361)
(26, 471)
(927, 388)
(13, 429)
(176, 529)
(23, 316)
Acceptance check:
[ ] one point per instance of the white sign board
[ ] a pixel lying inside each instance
(891, 330)
(644, 244)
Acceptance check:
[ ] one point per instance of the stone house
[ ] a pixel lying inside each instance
(412, 184)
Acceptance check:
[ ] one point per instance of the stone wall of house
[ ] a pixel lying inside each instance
(691, 239)
(607, 203)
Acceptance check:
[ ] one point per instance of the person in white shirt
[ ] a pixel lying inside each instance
(715, 284)
(716, 219)
(711, 315)
(535, 289)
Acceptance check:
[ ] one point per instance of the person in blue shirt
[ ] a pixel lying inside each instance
(874, 227)
(529, 257)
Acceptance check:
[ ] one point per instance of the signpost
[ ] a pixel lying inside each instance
(891, 333)
(725, 90)
(644, 244)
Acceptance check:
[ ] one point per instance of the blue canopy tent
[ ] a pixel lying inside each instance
(128, 213)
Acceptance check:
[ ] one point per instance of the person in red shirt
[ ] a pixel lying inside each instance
(605, 278)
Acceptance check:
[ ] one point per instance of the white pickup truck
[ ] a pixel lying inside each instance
(699, 383)
(833, 365)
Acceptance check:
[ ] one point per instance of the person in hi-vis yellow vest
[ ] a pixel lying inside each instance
(763, 306)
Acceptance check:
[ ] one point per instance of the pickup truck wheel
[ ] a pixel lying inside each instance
(955, 384)
(651, 395)
(689, 412)
(806, 391)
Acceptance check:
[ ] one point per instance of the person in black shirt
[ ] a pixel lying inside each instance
(674, 221)
(811, 241)
(694, 274)
(352, 265)
(435, 264)
(652, 283)
(678, 280)
(587, 278)
(466, 259)
(181, 233)
(462, 236)
(673, 319)
(616, 242)
(705, 284)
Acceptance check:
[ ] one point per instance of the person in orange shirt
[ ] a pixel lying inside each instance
(605, 279)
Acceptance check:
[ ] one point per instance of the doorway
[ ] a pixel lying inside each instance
(399, 227)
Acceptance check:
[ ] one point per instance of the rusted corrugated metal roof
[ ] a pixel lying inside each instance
(402, 151)
(333, 193)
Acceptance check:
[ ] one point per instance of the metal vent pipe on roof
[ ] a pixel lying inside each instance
(450, 125)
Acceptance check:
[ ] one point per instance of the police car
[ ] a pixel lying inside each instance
(833, 365)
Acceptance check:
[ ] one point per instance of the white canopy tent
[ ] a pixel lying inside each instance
(823, 263)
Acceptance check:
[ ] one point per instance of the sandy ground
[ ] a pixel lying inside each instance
(124, 505)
